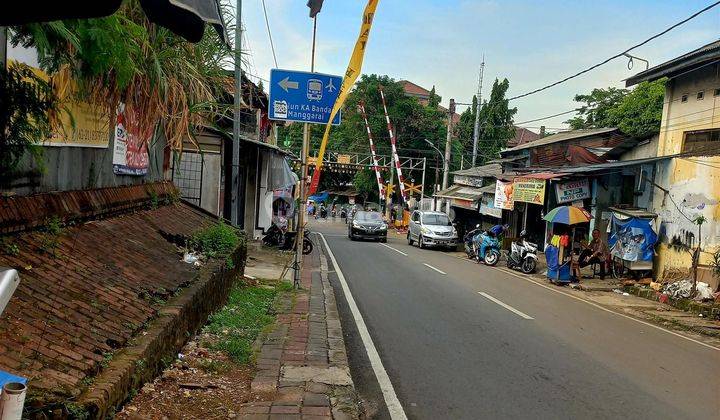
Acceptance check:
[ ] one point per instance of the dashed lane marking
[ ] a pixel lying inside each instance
(506, 306)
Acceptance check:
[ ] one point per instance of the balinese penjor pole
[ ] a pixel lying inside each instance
(351, 74)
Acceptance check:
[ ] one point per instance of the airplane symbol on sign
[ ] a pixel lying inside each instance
(331, 87)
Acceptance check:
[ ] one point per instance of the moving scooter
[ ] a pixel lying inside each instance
(523, 255)
(488, 249)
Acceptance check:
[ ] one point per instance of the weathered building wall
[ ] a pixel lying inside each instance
(693, 181)
(67, 168)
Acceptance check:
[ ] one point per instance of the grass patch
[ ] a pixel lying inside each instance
(238, 323)
(216, 241)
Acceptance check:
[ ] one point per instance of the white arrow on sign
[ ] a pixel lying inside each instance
(287, 84)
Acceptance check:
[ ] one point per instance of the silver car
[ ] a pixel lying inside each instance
(431, 228)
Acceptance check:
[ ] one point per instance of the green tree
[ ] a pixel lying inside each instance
(636, 112)
(596, 109)
(640, 112)
(365, 184)
(496, 122)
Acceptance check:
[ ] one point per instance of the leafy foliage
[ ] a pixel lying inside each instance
(365, 184)
(27, 104)
(123, 57)
(636, 112)
(495, 126)
(216, 241)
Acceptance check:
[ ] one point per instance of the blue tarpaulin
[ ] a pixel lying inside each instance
(632, 239)
(323, 196)
(6, 377)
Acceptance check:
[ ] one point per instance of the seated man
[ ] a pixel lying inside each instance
(596, 252)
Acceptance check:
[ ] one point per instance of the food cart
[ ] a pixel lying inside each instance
(632, 240)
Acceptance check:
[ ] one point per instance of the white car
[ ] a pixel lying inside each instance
(431, 228)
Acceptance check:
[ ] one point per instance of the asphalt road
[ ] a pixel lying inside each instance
(477, 342)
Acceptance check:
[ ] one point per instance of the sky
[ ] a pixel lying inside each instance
(442, 43)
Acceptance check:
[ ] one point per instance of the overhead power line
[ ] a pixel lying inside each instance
(546, 118)
(267, 25)
(620, 54)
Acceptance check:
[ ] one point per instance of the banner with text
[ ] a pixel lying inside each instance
(130, 150)
(572, 190)
(504, 195)
(529, 190)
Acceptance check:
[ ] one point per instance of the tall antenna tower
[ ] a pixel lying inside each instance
(477, 111)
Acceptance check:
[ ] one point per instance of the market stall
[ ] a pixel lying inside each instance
(558, 252)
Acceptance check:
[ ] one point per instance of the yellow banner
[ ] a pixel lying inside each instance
(82, 123)
(529, 190)
(351, 74)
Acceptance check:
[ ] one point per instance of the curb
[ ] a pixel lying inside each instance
(302, 363)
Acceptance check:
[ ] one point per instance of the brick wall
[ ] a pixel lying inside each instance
(82, 300)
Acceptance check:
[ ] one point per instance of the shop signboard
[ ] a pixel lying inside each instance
(504, 195)
(471, 181)
(572, 190)
(529, 190)
(487, 206)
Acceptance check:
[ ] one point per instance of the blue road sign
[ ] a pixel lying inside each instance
(303, 97)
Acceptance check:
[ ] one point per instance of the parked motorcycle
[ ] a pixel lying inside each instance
(523, 255)
(286, 240)
(274, 236)
(488, 248)
(469, 241)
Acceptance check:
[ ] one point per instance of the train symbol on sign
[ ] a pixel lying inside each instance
(314, 89)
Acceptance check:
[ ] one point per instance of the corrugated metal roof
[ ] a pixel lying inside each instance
(507, 159)
(560, 137)
(460, 192)
(706, 54)
(488, 189)
(489, 170)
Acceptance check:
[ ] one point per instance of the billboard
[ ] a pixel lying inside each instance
(529, 190)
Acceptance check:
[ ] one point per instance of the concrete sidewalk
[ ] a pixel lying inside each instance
(302, 362)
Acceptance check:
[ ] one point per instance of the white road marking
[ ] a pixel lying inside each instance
(433, 268)
(506, 306)
(391, 399)
(394, 249)
(608, 310)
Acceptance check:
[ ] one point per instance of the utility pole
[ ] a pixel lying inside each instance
(303, 182)
(448, 143)
(478, 101)
(235, 173)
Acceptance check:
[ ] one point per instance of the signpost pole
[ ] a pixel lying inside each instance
(303, 181)
(422, 187)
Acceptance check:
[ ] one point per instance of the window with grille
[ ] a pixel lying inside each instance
(187, 176)
(702, 141)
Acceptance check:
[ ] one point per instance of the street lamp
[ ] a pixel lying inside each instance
(442, 159)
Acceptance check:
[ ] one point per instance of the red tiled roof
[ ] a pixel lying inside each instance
(522, 136)
(411, 88)
(103, 281)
